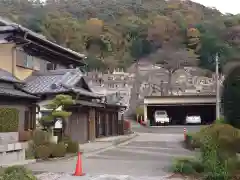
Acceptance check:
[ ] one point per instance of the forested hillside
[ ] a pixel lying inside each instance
(114, 33)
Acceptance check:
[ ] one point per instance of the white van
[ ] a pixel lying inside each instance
(161, 117)
(193, 118)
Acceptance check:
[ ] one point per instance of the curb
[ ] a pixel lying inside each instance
(21, 163)
(124, 140)
(114, 144)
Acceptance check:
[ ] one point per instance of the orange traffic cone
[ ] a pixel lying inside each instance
(78, 170)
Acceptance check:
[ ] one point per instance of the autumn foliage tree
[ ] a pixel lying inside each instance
(123, 31)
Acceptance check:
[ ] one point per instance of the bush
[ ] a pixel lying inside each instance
(59, 150)
(218, 145)
(9, 120)
(72, 147)
(43, 151)
(30, 151)
(220, 120)
(218, 151)
(17, 172)
(231, 97)
(187, 166)
(224, 135)
(40, 137)
(218, 165)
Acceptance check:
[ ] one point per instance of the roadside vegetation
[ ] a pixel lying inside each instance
(16, 172)
(217, 145)
(41, 147)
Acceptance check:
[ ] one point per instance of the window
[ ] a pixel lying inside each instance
(27, 61)
(51, 66)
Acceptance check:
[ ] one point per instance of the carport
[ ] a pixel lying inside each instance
(177, 107)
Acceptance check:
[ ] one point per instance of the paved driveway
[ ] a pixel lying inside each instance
(149, 154)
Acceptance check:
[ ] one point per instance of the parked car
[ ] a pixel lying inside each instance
(161, 117)
(193, 119)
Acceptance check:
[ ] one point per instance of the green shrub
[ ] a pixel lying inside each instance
(218, 145)
(30, 151)
(9, 120)
(218, 151)
(17, 172)
(217, 165)
(43, 151)
(220, 120)
(72, 147)
(40, 137)
(187, 166)
(59, 150)
(231, 97)
(225, 135)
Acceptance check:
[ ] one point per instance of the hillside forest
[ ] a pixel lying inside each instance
(115, 34)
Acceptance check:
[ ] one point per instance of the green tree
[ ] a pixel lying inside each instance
(231, 97)
(57, 106)
(63, 29)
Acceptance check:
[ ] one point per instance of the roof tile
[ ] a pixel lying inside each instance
(56, 81)
(14, 93)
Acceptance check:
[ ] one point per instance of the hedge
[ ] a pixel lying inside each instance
(9, 120)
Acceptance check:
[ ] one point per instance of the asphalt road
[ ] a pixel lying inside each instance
(148, 155)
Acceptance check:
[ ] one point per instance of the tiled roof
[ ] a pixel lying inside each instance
(56, 81)
(14, 93)
(7, 76)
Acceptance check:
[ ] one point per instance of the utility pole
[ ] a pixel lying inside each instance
(217, 88)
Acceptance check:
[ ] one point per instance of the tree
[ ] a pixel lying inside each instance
(193, 39)
(127, 30)
(174, 59)
(162, 30)
(63, 29)
(231, 97)
(57, 106)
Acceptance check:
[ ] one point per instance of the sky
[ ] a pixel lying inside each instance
(225, 6)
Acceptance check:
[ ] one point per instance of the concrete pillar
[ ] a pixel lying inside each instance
(145, 113)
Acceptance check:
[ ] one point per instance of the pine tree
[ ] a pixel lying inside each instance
(59, 101)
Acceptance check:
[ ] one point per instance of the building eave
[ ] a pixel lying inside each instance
(39, 40)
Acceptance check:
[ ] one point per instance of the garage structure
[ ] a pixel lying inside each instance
(178, 107)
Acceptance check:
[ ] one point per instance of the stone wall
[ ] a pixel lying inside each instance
(153, 81)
